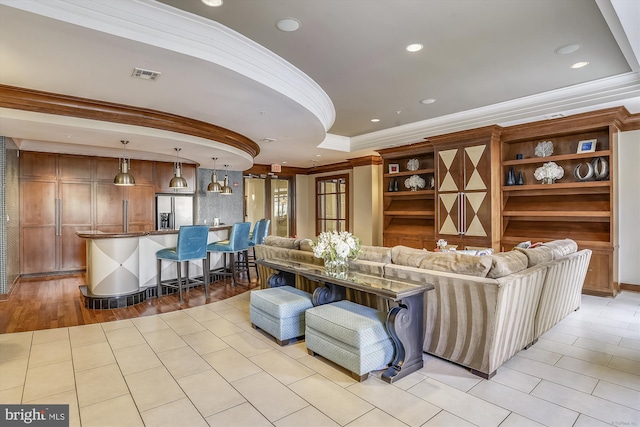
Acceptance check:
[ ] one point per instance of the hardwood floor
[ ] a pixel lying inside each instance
(55, 302)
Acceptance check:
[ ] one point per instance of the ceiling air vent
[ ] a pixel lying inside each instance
(141, 73)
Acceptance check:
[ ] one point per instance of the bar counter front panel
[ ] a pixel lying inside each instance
(122, 263)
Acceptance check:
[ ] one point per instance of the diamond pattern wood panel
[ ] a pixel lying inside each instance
(466, 171)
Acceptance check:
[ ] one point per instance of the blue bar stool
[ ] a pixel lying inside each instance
(260, 232)
(238, 243)
(191, 246)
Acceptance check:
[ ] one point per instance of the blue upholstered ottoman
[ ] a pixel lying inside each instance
(350, 335)
(279, 312)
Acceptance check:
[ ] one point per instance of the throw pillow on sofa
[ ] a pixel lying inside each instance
(453, 262)
(505, 263)
(375, 253)
(411, 257)
(537, 255)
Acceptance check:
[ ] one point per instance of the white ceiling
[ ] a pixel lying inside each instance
(313, 91)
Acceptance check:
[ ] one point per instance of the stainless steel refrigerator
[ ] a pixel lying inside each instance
(173, 210)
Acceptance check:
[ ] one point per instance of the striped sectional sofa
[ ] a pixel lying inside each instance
(484, 309)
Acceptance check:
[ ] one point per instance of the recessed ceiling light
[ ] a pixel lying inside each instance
(318, 155)
(580, 64)
(428, 101)
(414, 47)
(288, 24)
(375, 120)
(566, 49)
(213, 3)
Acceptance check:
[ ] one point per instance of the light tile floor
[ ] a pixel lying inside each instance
(206, 366)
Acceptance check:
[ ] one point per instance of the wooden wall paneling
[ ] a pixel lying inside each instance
(143, 171)
(141, 201)
(71, 168)
(38, 226)
(38, 165)
(106, 169)
(164, 173)
(109, 207)
(76, 214)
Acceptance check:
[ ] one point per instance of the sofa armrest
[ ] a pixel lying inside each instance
(562, 289)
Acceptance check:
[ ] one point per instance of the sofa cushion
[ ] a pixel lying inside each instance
(562, 247)
(282, 242)
(537, 255)
(505, 263)
(404, 255)
(372, 268)
(375, 253)
(453, 262)
(304, 257)
(305, 245)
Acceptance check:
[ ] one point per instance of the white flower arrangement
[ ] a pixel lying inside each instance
(544, 149)
(332, 245)
(549, 171)
(415, 181)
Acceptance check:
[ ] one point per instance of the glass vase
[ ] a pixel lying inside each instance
(336, 267)
(548, 180)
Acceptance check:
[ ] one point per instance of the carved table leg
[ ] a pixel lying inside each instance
(281, 278)
(328, 293)
(405, 325)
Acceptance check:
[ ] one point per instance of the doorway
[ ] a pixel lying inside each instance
(270, 197)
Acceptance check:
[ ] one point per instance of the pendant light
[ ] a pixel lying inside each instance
(226, 190)
(178, 181)
(124, 178)
(214, 185)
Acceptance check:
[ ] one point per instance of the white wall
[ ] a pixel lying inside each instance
(629, 207)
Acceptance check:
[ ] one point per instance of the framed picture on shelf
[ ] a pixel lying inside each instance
(587, 146)
(394, 168)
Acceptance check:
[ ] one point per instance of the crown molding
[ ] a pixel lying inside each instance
(561, 102)
(160, 25)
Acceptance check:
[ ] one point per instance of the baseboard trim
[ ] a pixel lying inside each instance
(629, 287)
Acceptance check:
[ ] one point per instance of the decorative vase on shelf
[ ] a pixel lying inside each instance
(548, 180)
(390, 188)
(395, 185)
(511, 177)
(520, 179)
(337, 267)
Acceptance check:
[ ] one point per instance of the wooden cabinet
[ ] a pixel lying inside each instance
(583, 210)
(63, 194)
(55, 197)
(140, 207)
(164, 173)
(408, 214)
(466, 212)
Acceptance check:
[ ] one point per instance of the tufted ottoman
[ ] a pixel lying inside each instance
(279, 311)
(350, 335)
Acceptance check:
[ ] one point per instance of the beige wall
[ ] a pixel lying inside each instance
(366, 215)
(629, 207)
